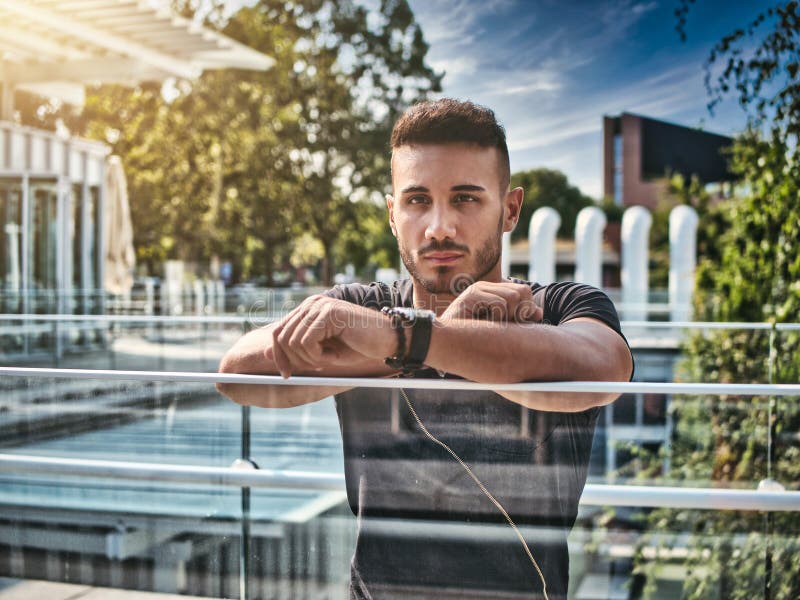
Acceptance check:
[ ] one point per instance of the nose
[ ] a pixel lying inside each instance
(441, 224)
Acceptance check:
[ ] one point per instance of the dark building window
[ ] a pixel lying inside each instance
(618, 169)
(668, 148)
(625, 410)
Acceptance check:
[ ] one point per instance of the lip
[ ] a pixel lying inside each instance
(442, 258)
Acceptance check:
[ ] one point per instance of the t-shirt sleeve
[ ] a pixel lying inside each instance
(564, 301)
(370, 296)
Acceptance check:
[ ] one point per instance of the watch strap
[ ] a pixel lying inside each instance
(420, 342)
(420, 324)
(398, 360)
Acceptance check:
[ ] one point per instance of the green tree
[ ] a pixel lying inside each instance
(238, 164)
(358, 70)
(749, 271)
(547, 187)
(344, 74)
(680, 190)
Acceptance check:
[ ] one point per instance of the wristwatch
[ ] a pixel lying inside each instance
(420, 323)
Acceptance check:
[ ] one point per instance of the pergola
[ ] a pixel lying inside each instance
(54, 47)
(60, 196)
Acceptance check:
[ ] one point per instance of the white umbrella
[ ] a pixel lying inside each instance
(120, 258)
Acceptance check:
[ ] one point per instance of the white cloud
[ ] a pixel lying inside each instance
(659, 96)
(550, 70)
(454, 67)
(644, 7)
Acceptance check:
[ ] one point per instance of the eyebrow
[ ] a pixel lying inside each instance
(463, 187)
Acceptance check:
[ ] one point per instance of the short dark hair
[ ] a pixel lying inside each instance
(449, 121)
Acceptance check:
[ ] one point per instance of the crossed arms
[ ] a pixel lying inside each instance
(489, 334)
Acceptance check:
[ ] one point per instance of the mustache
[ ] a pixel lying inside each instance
(445, 246)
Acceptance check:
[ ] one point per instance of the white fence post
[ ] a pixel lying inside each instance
(505, 257)
(542, 245)
(589, 227)
(635, 254)
(199, 293)
(683, 222)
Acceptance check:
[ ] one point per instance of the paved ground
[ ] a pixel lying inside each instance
(21, 589)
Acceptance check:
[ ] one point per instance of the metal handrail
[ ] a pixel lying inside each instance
(224, 476)
(239, 319)
(593, 494)
(692, 389)
(147, 319)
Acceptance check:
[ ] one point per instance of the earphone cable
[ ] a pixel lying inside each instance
(482, 487)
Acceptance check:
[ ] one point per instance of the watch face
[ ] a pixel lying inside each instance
(424, 313)
(412, 314)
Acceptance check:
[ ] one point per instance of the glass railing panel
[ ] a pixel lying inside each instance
(119, 342)
(448, 478)
(143, 533)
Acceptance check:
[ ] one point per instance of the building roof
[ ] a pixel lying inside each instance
(54, 47)
(565, 253)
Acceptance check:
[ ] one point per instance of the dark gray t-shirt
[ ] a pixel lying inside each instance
(424, 525)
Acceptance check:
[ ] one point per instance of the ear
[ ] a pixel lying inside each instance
(511, 208)
(390, 206)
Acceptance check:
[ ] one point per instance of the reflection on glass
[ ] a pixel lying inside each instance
(445, 483)
(75, 242)
(654, 409)
(10, 245)
(91, 229)
(44, 240)
(424, 527)
(625, 409)
(618, 166)
(108, 532)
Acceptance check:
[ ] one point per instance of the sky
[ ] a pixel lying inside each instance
(551, 69)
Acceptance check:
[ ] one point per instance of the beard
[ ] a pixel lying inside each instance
(445, 281)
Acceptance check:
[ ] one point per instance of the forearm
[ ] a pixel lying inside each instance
(492, 352)
(250, 356)
(276, 396)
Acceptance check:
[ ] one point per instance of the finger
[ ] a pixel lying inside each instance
(282, 362)
(291, 331)
(298, 363)
(315, 341)
(519, 302)
(321, 341)
(489, 307)
(521, 305)
(527, 312)
(293, 335)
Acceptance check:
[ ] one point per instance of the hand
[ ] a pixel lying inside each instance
(324, 332)
(502, 301)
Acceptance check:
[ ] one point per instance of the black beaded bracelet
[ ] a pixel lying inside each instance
(397, 361)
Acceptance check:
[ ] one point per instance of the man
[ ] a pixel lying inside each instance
(460, 493)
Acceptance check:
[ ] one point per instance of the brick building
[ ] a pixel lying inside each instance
(639, 153)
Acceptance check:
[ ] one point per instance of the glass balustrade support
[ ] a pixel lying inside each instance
(244, 537)
(163, 491)
(593, 494)
(742, 389)
(244, 540)
(217, 476)
(147, 319)
(247, 325)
